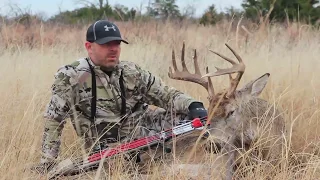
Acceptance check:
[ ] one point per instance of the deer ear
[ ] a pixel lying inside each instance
(255, 87)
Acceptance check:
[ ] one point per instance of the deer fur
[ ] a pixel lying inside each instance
(241, 120)
(244, 119)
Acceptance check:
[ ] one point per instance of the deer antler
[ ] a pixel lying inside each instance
(185, 75)
(236, 68)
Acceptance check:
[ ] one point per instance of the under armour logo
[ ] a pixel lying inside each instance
(107, 28)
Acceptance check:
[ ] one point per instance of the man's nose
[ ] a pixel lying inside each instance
(112, 47)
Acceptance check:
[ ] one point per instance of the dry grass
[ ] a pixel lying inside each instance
(29, 60)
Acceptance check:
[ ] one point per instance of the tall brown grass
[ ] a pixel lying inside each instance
(30, 57)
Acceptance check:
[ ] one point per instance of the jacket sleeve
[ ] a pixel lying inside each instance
(159, 94)
(58, 109)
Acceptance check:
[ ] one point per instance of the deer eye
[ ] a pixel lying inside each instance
(231, 113)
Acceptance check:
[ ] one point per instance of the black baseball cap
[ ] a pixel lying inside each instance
(103, 31)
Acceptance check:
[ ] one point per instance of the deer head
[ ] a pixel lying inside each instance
(235, 107)
(234, 115)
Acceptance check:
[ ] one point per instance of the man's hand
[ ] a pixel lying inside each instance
(197, 110)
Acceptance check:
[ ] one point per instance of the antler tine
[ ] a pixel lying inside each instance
(210, 85)
(185, 75)
(234, 83)
(236, 68)
(222, 56)
(184, 67)
(235, 54)
(174, 63)
(196, 65)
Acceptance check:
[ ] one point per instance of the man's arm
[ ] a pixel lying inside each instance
(159, 94)
(56, 112)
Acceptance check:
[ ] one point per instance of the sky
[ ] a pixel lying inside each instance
(51, 7)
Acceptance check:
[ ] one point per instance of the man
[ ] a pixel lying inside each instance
(107, 99)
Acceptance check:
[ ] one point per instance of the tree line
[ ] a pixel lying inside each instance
(258, 11)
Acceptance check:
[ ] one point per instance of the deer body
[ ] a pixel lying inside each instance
(245, 121)
(240, 119)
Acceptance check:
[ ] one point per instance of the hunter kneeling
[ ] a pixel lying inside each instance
(107, 99)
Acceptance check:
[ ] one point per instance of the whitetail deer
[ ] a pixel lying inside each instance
(241, 118)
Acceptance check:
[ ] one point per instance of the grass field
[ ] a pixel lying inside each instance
(29, 59)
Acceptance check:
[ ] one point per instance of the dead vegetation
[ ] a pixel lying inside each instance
(30, 56)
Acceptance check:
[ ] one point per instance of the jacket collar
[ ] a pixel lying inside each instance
(116, 71)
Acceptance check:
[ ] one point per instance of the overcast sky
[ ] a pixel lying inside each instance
(51, 7)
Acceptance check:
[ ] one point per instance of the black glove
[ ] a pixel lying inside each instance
(197, 110)
(99, 146)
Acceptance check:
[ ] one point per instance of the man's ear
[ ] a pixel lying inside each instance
(256, 86)
(88, 45)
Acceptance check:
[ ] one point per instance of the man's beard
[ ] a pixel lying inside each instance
(109, 67)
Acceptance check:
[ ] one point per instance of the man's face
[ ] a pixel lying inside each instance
(105, 55)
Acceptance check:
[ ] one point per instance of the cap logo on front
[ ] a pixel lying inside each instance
(107, 28)
(103, 31)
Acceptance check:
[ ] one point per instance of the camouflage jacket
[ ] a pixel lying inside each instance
(71, 98)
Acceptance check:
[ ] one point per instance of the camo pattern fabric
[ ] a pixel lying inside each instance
(71, 98)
